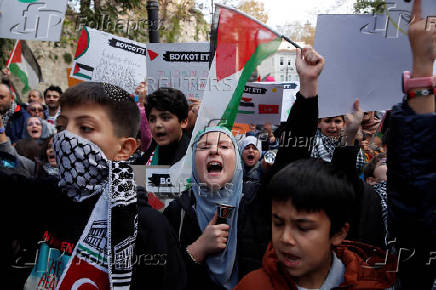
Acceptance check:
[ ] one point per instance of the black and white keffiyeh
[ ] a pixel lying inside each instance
(324, 147)
(85, 172)
(6, 116)
(380, 188)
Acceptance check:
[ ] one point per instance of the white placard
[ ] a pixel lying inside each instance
(261, 102)
(32, 20)
(289, 92)
(103, 57)
(183, 66)
(364, 59)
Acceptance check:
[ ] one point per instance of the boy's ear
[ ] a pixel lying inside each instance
(128, 147)
(184, 123)
(341, 235)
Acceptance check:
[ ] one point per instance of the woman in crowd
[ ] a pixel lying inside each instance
(36, 129)
(217, 255)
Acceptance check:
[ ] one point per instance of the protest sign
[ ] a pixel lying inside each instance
(289, 92)
(32, 19)
(260, 103)
(365, 57)
(72, 81)
(183, 66)
(103, 57)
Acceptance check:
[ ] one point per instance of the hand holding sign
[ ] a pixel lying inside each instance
(422, 42)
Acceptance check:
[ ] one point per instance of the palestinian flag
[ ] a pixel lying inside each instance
(23, 64)
(240, 43)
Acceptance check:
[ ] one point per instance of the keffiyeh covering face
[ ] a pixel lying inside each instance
(222, 266)
(85, 172)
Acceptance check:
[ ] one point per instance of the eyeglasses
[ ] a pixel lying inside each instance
(36, 109)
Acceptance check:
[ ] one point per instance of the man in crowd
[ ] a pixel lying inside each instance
(13, 115)
(35, 96)
(51, 96)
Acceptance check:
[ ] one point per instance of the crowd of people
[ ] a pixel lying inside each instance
(340, 202)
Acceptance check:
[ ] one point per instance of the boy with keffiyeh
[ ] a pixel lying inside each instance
(95, 228)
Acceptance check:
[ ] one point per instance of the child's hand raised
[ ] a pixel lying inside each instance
(309, 65)
(352, 123)
(422, 42)
(212, 240)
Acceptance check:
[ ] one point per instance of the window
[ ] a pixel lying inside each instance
(282, 60)
(282, 78)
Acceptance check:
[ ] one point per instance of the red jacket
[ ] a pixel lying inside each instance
(357, 257)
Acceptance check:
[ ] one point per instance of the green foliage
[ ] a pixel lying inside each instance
(369, 6)
(6, 46)
(68, 57)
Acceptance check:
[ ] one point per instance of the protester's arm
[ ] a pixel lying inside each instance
(344, 157)
(6, 147)
(297, 134)
(411, 148)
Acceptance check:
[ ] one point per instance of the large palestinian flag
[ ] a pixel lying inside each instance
(239, 43)
(23, 64)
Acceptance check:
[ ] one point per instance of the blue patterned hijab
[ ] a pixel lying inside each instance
(223, 266)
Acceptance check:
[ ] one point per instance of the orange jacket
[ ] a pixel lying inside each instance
(359, 260)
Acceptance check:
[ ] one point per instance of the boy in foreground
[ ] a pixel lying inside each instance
(95, 229)
(310, 220)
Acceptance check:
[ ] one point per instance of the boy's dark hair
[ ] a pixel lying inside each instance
(168, 99)
(28, 147)
(53, 88)
(121, 108)
(42, 156)
(312, 185)
(342, 116)
(7, 82)
(368, 170)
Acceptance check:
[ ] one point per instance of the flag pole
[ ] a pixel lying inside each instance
(12, 54)
(290, 41)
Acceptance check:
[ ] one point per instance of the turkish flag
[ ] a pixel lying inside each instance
(268, 109)
(83, 276)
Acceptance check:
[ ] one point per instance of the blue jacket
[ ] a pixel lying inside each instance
(412, 176)
(17, 124)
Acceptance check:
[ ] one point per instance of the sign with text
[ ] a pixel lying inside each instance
(365, 57)
(289, 92)
(183, 66)
(32, 19)
(260, 103)
(158, 181)
(103, 57)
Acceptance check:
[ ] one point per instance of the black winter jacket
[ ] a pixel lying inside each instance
(41, 210)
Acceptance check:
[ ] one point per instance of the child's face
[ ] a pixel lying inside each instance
(50, 154)
(302, 243)
(165, 127)
(250, 155)
(34, 127)
(215, 164)
(92, 122)
(331, 127)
